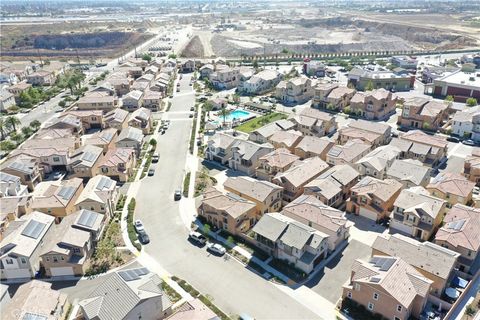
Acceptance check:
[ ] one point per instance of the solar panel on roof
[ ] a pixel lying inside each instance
(108, 136)
(456, 225)
(66, 192)
(104, 183)
(33, 229)
(375, 280)
(88, 156)
(33, 316)
(87, 218)
(335, 152)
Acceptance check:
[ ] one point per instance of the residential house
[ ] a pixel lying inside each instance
(18, 88)
(12, 208)
(321, 93)
(118, 164)
(310, 211)
(314, 68)
(51, 133)
(41, 78)
(471, 167)
(466, 123)
(229, 212)
(452, 187)
(218, 103)
(338, 98)
(187, 66)
(21, 246)
(422, 113)
(105, 88)
(311, 146)
(130, 137)
(133, 100)
(11, 186)
(120, 82)
(294, 91)
(36, 299)
(90, 119)
(266, 195)
(70, 122)
(71, 244)
(300, 173)
(274, 162)
(51, 156)
(416, 213)
(219, 146)
(460, 234)
(141, 84)
(410, 173)
(405, 62)
(362, 79)
(262, 134)
(153, 100)
(244, 155)
(377, 104)
(104, 139)
(260, 83)
(333, 186)
(372, 133)
(99, 195)
(313, 122)
(141, 119)
(388, 286)
(373, 198)
(27, 168)
(57, 198)
(7, 100)
(417, 145)
(225, 78)
(377, 162)
(84, 162)
(139, 290)
(206, 70)
(291, 241)
(286, 139)
(117, 118)
(97, 101)
(432, 261)
(349, 153)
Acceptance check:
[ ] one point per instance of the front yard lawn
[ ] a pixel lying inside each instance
(259, 122)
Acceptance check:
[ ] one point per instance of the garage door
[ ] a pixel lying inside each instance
(62, 271)
(400, 227)
(17, 273)
(368, 214)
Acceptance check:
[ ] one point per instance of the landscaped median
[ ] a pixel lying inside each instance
(132, 234)
(259, 122)
(194, 293)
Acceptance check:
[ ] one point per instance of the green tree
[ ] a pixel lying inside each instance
(224, 112)
(369, 86)
(27, 132)
(62, 103)
(471, 102)
(230, 241)
(255, 64)
(172, 56)
(426, 126)
(449, 98)
(17, 137)
(153, 142)
(12, 122)
(35, 124)
(147, 57)
(7, 145)
(3, 128)
(347, 109)
(206, 229)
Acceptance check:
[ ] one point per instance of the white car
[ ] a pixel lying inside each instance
(139, 226)
(216, 248)
(198, 237)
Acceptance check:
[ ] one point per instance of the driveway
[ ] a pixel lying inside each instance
(328, 283)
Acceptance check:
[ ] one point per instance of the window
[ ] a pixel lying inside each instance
(375, 296)
(56, 159)
(396, 318)
(349, 294)
(23, 260)
(55, 259)
(399, 308)
(47, 258)
(357, 287)
(9, 261)
(370, 306)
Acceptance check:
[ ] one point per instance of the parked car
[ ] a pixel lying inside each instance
(138, 224)
(143, 237)
(216, 248)
(178, 195)
(151, 171)
(197, 237)
(190, 115)
(57, 175)
(178, 89)
(469, 142)
(155, 157)
(192, 109)
(453, 139)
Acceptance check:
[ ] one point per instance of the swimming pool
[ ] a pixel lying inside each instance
(237, 115)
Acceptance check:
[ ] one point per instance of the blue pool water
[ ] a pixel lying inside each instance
(236, 114)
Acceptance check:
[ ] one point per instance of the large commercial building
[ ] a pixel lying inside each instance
(460, 85)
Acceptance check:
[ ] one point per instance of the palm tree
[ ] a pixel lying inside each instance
(3, 128)
(13, 122)
(224, 112)
(35, 124)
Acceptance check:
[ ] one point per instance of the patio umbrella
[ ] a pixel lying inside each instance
(452, 293)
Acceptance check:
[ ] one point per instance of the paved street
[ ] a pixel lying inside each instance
(233, 288)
